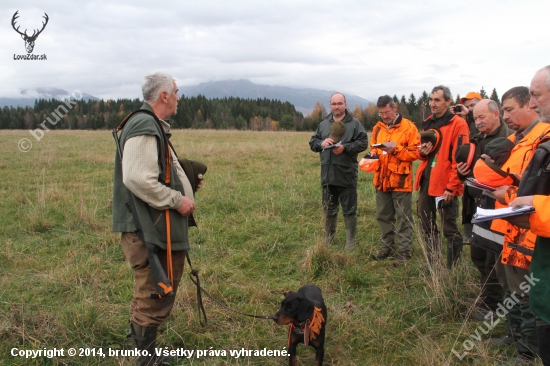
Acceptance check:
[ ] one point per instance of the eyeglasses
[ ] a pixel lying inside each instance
(388, 113)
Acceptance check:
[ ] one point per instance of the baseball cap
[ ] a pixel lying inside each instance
(470, 95)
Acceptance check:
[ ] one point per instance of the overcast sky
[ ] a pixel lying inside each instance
(368, 48)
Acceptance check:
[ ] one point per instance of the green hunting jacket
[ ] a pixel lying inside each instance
(153, 221)
(340, 170)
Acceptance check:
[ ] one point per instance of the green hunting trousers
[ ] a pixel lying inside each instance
(427, 213)
(346, 196)
(395, 218)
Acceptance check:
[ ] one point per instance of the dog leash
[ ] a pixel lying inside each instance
(194, 275)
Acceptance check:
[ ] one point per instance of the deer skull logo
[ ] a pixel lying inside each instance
(29, 40)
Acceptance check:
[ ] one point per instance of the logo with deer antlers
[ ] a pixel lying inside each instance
(29, 40)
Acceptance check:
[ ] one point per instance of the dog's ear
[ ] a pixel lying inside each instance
(287, 292)
(305, 310)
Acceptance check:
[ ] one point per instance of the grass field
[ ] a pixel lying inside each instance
(64, 281)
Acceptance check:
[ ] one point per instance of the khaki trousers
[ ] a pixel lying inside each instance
(144, 311)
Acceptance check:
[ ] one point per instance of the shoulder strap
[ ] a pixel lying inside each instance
(167, 142)
(544, 142)
(127, 118)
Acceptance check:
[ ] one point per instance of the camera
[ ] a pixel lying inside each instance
(457, 109)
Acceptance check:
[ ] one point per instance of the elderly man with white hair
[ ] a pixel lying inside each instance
(163, 202)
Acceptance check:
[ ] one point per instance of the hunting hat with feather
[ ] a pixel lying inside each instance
(194, 170)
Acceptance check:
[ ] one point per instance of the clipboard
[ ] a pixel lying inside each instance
(384, 145)
(472, 182)
(500, 213)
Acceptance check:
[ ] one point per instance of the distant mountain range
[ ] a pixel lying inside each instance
(303, 99)
(28, 96)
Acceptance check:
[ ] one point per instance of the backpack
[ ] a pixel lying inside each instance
(536, 177)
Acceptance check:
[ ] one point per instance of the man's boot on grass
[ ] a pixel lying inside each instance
(351, 229)
(454, 251)
(330, 227)
(144, 339)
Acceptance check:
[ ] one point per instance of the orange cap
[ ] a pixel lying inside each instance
(470, 95)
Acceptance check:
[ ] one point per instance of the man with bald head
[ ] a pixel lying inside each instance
(487, 119)
(338, 139)
(486, 116)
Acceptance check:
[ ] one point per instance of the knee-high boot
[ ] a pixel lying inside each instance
(330, 227)
(144, 339)
(351, 229)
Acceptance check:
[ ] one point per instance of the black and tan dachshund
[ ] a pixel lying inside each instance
(306, 313)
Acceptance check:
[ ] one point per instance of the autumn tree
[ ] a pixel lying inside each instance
(358, 114)
(371, 116)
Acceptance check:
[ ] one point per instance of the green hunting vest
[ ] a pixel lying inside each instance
(153, 221)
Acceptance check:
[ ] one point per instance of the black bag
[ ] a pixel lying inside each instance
(482, 235)
(536, 177)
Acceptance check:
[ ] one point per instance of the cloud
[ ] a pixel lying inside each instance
(366, 48)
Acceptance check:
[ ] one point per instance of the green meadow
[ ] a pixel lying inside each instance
(64, 282)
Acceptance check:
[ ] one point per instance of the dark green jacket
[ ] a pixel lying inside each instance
(340, 170)
(472, 196)
(153, 221)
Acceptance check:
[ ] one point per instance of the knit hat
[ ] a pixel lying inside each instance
(337, 129)
(369, 163)
(470, 95)
(499, 150)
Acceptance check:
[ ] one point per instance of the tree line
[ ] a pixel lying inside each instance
(193, 112)
(202, 113)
